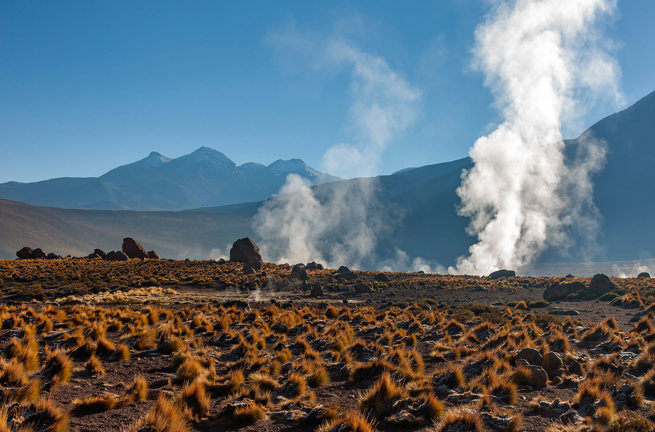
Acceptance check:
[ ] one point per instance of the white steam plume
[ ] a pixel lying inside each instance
(541, 59)
(337, 226)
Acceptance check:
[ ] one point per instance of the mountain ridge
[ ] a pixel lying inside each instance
(202, 178)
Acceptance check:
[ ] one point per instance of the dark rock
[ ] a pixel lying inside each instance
(381, 277)
(239, 304)
(38, 254)
(133, 248)
(24, 253)
(317, 291)
(551, 362)
(99, 252)
(363, 289)
(247, 269)
(539, 376)
(643, 275)
(314, 266)
(571, 416)
(152, 254)
(601, 284)
(562, 291)
(501, 274)
(52, 256)
(531, 355)
(247, 252)
(344, 273)
(116, 256)
(299, 273)
(93, 256)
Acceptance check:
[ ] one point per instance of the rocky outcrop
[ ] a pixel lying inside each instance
(133, 249)
(599, 285)
(501, 274)
(117, 256)
(24, 253)
(247, 252)
(643, 275)
(153, 255)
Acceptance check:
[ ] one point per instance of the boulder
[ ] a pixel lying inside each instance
(52, 256)
(345, 273)
(24, 253)
(560, 291)
(116, 256)
(538, 376)
(530, 355)
(317, 291)
(314, 266)
(153, 255)
(99, 252)
(381, 277)
(363, 289)
(299, 273)
(246, 251)
(501, 274)
(552, 362)
(133, 248)
(600, 284)
(38, 254)
(643, 275)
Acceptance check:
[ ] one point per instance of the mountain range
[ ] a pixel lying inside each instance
(203, 178)
(422, 202)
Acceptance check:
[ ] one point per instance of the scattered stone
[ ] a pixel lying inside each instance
(246, 251)
(239, 304)
(317, 291)
(381, 277)
(501, 274)
(152, 255)
(116, 256)
(314, 266)
(571, 416)
(24, 253)
(133, 249)
(299, 273)
(530, 355)
(643, 275)
(553, 409)
(463, 398)
(52, 256)
(344, 273)
(552, 362)
(362, 288)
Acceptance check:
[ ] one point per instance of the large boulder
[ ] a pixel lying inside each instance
(247, 252)
(53, 255)
(299, 273)
(153, 255)
(99, 252)
(501, 274)
(24, 253)
(643, 275)
(600, 284)
(133, 248)
(530, 355)
(116, 256)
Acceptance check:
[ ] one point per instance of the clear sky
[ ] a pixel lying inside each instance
(86, 86)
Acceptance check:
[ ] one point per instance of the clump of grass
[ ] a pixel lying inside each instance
(432, 408)
(135, 392)
(189, 370)
(194, 398)
(163, 417)
(231, 383)
(250, 413)
(504, 391)
(382, 395)
(94, 366)
(93, 404)
(352, 421)
(262, 382)
(319, 378)
(13, 373)
(460, 419)
(58, 367)
(48, 417)
(123, 352)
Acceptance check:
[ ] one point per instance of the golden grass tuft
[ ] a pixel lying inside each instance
(194, 398)
(163, 417)
(380, 397)
(93, 404)
(351, 421)
(250, 413)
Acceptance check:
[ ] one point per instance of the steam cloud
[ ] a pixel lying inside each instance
(339, 225)
(541, 59)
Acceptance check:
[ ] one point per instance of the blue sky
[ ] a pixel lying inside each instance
(86, 86)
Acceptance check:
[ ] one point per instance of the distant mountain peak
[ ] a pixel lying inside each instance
(208, 154)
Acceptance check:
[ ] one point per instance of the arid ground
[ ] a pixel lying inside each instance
(162, 345)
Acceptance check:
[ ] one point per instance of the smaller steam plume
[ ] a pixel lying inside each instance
(338, 224)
